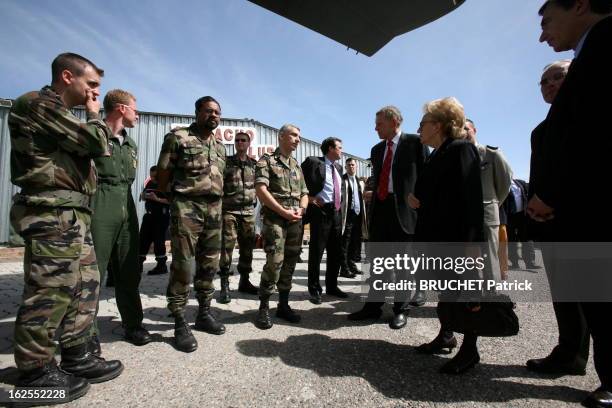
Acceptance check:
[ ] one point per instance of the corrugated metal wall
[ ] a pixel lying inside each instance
(149, 134)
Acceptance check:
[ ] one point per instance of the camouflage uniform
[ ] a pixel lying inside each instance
(115, 227)
(51, 160)
(282, 239)
(238, 214)
(197, 166)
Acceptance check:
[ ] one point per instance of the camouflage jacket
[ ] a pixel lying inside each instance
(239, 185)
(283, 177)
(197, 164)
(52, 150)
(120, 167)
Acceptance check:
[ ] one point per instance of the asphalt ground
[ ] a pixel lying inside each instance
(324, 361)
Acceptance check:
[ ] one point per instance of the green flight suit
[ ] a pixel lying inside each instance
(114, 227)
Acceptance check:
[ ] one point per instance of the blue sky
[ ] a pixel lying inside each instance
(262, 66)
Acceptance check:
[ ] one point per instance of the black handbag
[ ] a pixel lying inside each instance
(495, 318)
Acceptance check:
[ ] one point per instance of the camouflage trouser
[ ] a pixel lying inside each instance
(282, 244)
(195, 231)
(61, 281)
(242, 228)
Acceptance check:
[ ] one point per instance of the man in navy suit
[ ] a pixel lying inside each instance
(578, 115)
(396, 163)
(323, 176)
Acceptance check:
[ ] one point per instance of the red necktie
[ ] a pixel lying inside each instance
(336, 189)
(383, 181)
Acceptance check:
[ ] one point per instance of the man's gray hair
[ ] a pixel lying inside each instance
(286, 128)
(391, 112)
(564, 63)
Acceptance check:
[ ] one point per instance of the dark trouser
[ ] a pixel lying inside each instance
(351, 240)
(153, 231)
(517, 232)
(597, 316)
(385, 227)
(325, 228)
(114, 227)
(574, 336)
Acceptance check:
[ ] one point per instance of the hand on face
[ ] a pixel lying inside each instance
(92, 104)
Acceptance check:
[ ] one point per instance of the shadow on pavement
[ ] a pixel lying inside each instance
(397, 371)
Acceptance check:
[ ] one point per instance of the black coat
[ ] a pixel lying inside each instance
(450, 192)
(566, 178)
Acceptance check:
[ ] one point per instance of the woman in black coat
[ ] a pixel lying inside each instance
(448, 199)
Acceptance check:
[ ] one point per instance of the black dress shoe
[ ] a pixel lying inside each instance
(345, 273)
(418, 300)
(463, 361)
(366, 313)
(553, 365)
(443, 344)
(138, 336)
(315, 296)
(532, 266)
(398, 321)
(599, 398)
(337, 293)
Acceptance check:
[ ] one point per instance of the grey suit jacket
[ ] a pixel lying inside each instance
(496, 178)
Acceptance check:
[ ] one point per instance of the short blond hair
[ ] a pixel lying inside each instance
(449, 112)
(117, 97)
(391, 112)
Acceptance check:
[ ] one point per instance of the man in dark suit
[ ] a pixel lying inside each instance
(323, 179)
(396, 163)
(517, 222)
(354, 220)
(578, 115)
(570, 355)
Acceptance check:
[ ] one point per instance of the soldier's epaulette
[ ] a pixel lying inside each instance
(492, 147)
(180, 129)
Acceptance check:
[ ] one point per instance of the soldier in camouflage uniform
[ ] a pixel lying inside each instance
(114, 224)
(281, 188)
(191, 166)
(238, 217)
(51, 160)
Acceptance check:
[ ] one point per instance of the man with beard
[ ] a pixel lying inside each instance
(191, 166)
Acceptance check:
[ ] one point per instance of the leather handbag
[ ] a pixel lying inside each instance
(494, 318)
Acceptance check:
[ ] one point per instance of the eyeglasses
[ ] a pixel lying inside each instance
(421, 123)
(241, 140)
(554, 78)
(128, 106)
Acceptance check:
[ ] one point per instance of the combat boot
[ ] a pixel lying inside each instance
(245, 285)
(263, 321)
(94, 345)
(224, 293)
(183, 338)
(205, 321)
(79, 361)
(51, 376)
(160, 268)
(284, 311)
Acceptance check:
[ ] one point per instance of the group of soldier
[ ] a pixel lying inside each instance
(75, 179)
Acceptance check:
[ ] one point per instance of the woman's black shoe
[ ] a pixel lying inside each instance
(463, 361)
(442, 344)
